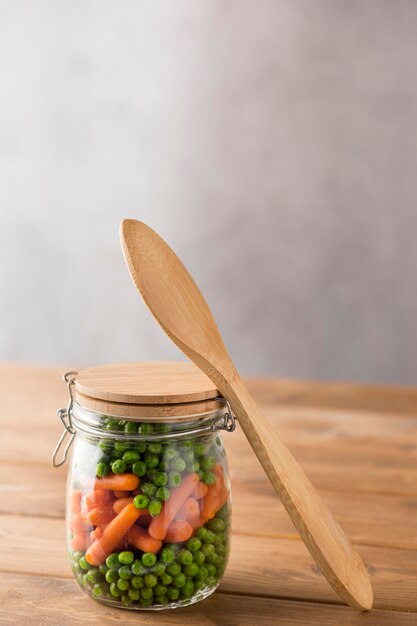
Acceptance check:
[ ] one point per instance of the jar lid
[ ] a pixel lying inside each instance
(148, 389)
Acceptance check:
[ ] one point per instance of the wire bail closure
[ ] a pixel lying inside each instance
(65, 415)
(226, 422)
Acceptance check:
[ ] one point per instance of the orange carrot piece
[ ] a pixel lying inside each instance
(158, 527)
(218, 470)
(200, 491)
(117, 482)
(97, 498)
(81, 541)
(121, 494)
(101, 515)
(140, 539)
(190, 508)
(119, 504)
(145, 519)
(96, 533)
(179, 530)
(222, 497)
(196, 522)
(75, 501)
(210, 502)
(78, 524)
(112, 535)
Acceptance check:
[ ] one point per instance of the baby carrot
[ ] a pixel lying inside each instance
(81, 541)
(112, 535)
(140, 539)
(159, 525)
(179, 530)
(119, 504)
(118, 482)
(101, 515)
(96, 533)
(78, 525)
(200, 491)
(190, 508)
(210, 502)
(75, 501)
(121, 494)
(222, 497)
(97, 498)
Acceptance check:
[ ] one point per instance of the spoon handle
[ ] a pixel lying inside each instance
(326, 541)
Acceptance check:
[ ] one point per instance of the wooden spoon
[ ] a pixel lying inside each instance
(179, 307)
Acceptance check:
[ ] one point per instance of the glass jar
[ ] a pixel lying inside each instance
(148, 491)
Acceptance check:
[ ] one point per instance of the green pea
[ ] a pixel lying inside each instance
(207, 549)
(112, 575)
(123, 584)
(173, 593)
(217, 525)
(207, 462)
(191, 570)
(83, 563)
(169, 453)
(210, 537)
(146, 602)
(152, 460)
(193, 544)
(138, 569)
(163, 466)
(178, 464)
(140, 446)
(161, 479)
(146, 593)
(214, 558)
(146, 429)
(131, 456)
(185, 557)
(174, 568)
(194, 467)
(114, 590)
(126, 601)
(202, 573)
(187, 589)
(131, 427)
(221, 549)
(200, 474)
(159, 569)
(139, 468)
(161, 599)
(137, 582)
(103, 568)
(199, 557)
(102, 469)
(166, 579)
(134, 594)
(150, 580)
(149, 489)
(201, 449)
(211, 569)
(116, 455)
(118, 466)
(163, 428)
(120, 446)
(77, 555)
(160, 590)
(126, 557)
(201, 533)
(98, 590)
(174, 479)
(209, 478)
(163, 493)
(94, 575)
(148, 559)
(167, 555)
(141, 501)
(154, 507)
(155, 448)
(125, 572)
(179, 580)
(211, 581)
(112, 561)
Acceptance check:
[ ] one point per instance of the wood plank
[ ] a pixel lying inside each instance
(368, 519)
(50, 601)
(263, 566)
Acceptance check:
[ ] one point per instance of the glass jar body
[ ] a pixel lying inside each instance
(148, 511)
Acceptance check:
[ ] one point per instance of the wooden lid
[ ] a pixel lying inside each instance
(146, 389)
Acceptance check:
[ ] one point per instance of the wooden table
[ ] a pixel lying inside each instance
(358, 444)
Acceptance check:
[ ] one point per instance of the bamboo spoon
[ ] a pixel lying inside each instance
(179, 307)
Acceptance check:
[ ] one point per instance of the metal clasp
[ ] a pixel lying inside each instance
(226, 421)
(65, 415)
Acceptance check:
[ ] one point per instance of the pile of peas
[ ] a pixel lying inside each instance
(179, 573)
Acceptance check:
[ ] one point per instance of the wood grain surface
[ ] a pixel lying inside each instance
(362, 459)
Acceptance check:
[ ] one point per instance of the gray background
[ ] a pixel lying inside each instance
(273, 143)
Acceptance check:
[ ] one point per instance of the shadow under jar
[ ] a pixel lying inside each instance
(148, 491)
